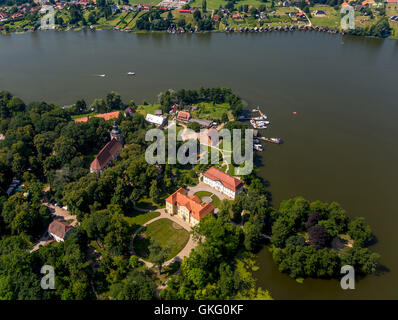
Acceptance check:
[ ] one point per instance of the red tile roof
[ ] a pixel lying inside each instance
(59, 228)
(192, 203)
(105, 155)
(183, 115)
(227, 181)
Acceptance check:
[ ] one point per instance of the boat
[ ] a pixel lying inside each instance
(253, 123)
(272, 140)
(256, 140)
(258, 147)
(131, 73)
(258, 118)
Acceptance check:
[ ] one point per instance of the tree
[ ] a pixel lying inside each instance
(281, 230)
(97, 226)
(204, 5)
(158, 254)
(318, 237)
(92, 17)
(154, 192)
(136, 287)
(224, 117)
(253, 235)
(312, 220)
(113, 101)
(359, 231)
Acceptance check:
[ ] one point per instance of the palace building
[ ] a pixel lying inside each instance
(226, 184)
(188, 208)
(109, 152)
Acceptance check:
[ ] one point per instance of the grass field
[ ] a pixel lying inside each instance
(208, 110)
(164, 232)
(150, 108)
(136, 219)
(201, 194)
(331, 20)
(392, 10)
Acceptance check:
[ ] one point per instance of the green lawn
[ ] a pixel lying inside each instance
(162, 231)
(216, 201)
(209, 111)
(136, 219)
(149, 108)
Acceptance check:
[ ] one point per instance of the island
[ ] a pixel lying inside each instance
(77, 193)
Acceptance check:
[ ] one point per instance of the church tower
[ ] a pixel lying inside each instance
(116, 133)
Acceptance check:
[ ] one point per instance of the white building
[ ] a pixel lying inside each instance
(157, 120)
(59, 229)
(222, 182)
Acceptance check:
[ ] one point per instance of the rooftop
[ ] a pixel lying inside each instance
(227, 181)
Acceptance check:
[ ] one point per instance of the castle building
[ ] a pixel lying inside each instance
(187, 208)
(226, 184)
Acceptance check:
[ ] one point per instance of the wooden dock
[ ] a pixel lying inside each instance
(270, 140)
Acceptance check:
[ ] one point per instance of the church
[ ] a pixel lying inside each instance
(109, 152)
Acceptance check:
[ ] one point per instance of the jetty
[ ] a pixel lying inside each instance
(272, 140)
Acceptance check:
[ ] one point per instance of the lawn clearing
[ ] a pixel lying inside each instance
(202, 194)
(165, 233)
(136, 219)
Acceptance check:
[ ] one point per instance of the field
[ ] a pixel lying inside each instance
(166, 233)
(149, 108)
(136, 219)
(208, 110)
(392, 10)
(331, 20)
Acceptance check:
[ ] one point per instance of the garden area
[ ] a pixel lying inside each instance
(202, 195)
(165, 232)
(136, 219)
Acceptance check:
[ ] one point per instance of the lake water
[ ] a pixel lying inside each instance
(342, 144)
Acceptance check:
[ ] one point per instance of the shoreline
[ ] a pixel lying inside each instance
(284, 29)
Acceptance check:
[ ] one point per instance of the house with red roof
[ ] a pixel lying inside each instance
(185, 11)
(187, 208)
(220, 181)
(3, 16)
(183, 116)
(16, 15)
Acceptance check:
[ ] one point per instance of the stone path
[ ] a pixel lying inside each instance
(204, 187)
(183, 253)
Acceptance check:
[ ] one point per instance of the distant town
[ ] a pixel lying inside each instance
(372, 18)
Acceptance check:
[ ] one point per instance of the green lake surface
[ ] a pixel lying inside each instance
(341, 146)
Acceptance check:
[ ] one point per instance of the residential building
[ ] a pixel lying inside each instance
(129, 111)
(188, 208)
(183, 116)
(226, 184)
(174, 109)
(59, 230)
(108, 153)
(156, 120)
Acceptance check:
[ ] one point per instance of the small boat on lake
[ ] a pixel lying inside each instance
(258, 147)
(131, 73)
(253, 123)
